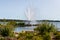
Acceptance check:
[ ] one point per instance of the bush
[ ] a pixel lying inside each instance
(46, 30)
(2, 38)
(5, 31)
(57, 36)
(20, 24)
(37, 38)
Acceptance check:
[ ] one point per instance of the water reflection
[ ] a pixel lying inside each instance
(27, 28)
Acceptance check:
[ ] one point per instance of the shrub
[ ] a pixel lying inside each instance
(2, 38)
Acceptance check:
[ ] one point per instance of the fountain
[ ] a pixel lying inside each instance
(29, 14)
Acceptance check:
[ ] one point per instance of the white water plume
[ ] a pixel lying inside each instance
(29, 14)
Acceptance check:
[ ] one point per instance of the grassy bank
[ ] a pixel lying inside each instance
(44, 31)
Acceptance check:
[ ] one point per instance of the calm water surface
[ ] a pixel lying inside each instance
(31, 28)
(19, 29)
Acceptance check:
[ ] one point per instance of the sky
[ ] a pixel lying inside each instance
(42, 9)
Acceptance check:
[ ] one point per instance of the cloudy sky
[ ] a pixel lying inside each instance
(42, 9)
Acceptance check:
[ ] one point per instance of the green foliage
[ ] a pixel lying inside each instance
(13, 23)
(20, 24)
(57, 36)
(43, 31)
(46, 30)
(7, 30)
(45, 27)
(4, 31)
(2, 38)
(29, 36)
(47, 37)
(37, 38)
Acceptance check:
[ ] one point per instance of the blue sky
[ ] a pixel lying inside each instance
(43, 9)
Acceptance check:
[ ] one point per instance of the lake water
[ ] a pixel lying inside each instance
(19, 29)
(31, 28)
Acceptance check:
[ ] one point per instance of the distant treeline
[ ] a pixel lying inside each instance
(48, 20)
(7, 20)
